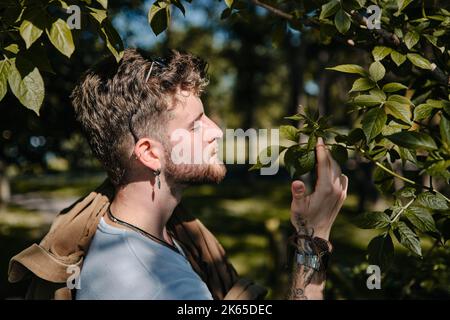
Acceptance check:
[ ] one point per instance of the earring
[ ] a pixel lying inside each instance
(158, 180)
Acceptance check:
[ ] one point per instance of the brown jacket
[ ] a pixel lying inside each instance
(70, 235)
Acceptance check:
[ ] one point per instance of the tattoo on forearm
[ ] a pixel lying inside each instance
(301, 275)
(299, 294)
(301, 278)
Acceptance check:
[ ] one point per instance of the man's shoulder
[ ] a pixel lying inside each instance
(112, 269)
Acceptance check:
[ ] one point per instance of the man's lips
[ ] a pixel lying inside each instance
(214, 151)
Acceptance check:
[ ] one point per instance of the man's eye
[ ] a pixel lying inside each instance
(197, 126)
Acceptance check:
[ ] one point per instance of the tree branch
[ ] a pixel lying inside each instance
(393, 40)
(274, 10)
(388, 36)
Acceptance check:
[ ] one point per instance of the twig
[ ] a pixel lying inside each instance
(388, 36)
(393, 40)
(274, 10)
(381, 166)
(402, 209)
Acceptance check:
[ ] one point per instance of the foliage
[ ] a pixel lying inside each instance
(29, 29)
(400, 99)
(402, 102)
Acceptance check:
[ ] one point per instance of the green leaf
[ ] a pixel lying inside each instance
(159, 16)
(373, 123)
(378, 93)
(312, 141)
(362, 84)
(177, 3)
(98, 14)
(393, 127)
(299, 160)
(411, 39)
(402, 4)
(384, 181)
(377, 71)
(33, 24)
(339, 153)
(372, 220)
(444, 128)
(408, 238)
(419, 61)
(229, 3)
(266, 154)
(29, 32)
(111, 38)
(413, 140)
(13, 48)
(295, 117)
(26, 84)
(61, 37)
(422, 111)
(342, 21)
(329, 8)
(393, 87)
(432, 201)
(4, 71)
(349, 68)
(367, 100)
(438, 104)
(400, 99)
(439, 168)
(406, 192)
(421, 219)
(380, 52)
(289, 133)
(406, 154)
(355, 135)
(103, 3)
(398, 58)
(381, 251)
(398, 110)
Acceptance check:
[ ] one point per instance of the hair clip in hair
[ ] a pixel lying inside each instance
(149, 72)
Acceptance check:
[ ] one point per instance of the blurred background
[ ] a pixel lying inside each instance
(46, 164)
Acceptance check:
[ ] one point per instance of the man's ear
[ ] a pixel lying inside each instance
(149, 152)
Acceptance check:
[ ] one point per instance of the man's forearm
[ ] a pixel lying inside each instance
(308, 276)
(306, 284)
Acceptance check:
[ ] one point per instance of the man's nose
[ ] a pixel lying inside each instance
(213, 132)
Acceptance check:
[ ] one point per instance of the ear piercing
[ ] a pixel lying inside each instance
(158, 180)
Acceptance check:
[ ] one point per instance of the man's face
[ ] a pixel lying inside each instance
(192, 155)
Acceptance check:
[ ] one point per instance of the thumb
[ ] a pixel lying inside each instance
(298, 189)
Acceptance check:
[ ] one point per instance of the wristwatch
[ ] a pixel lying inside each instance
(309, 260)
(318, 259)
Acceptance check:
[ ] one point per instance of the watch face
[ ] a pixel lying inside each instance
(310, 260)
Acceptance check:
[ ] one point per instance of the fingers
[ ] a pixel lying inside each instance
(298, 190)
(323, 163)
(329, 174)
(344, 183)
(335, 168)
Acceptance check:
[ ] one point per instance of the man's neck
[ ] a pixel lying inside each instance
(145, 206)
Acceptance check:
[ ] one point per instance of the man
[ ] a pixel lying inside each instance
(130, 112)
